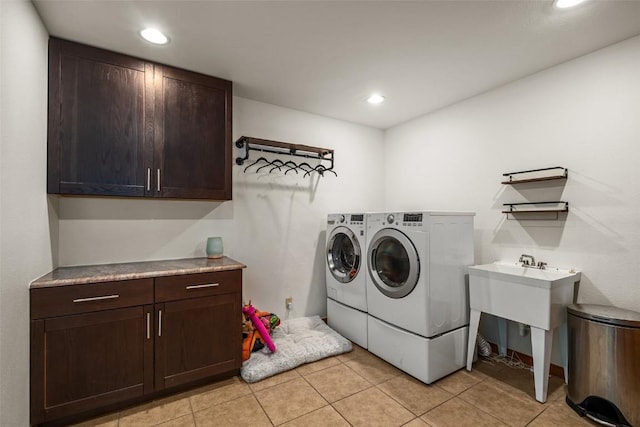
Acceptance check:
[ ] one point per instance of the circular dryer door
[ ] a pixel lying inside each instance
(343, 254)
(394, 265)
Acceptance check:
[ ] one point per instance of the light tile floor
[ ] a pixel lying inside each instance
(359, 389)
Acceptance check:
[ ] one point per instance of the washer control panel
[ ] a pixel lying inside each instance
(412, 217)
(357, 219)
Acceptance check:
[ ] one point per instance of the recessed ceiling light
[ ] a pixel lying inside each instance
(564, 4)
(154, 36)
(375, 99)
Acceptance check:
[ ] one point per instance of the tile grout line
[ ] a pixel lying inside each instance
(453, 396)
(260, 404)
(543, 411)
(396, 400)
(193, 415)
(372, 385)
(331, 403)
(325, 399)
(485, 411)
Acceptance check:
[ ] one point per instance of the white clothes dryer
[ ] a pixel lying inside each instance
(346, 276)
(416, 292)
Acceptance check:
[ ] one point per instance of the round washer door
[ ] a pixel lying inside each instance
(343, 254)
(394, 265)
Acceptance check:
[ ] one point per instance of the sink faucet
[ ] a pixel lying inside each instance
(527, 260)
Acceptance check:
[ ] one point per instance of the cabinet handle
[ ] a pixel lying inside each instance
(96, 298)
(148, 325)
(158, 183)
(148, 179)
(208, 285)
(159, 323)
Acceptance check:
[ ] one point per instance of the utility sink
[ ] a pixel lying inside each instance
(530, 276)
(523, 294)
(527, 295)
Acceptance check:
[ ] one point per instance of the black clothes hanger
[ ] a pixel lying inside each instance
(277, 164)
(292, 167)
(260, 159)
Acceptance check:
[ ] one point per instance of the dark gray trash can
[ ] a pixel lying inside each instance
(604, 363)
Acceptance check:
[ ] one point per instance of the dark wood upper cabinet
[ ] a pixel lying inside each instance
(193, 110)
(122, 126)
(97, 121)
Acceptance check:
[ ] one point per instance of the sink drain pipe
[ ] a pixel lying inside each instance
(523, 329)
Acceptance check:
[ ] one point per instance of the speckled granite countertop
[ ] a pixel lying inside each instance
(64, 276)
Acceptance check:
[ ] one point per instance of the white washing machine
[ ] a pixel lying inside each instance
(346, 276)
(416, 290)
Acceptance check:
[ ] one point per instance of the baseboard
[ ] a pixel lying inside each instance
(555, 370)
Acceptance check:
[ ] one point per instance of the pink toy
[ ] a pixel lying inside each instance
(250, 312)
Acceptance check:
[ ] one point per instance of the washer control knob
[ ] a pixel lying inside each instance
(342, 218)
(390, 218)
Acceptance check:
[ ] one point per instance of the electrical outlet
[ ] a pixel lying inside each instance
(288, 302)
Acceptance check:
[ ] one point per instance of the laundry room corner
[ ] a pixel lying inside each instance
(560, 116)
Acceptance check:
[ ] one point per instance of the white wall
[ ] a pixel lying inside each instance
(582, 115)
(28, 239)
(275, 223)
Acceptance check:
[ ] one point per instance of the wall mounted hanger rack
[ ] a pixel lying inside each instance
(323, 156)
(564, 175)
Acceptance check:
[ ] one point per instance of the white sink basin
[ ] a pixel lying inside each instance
(523, 294)
(515, 273)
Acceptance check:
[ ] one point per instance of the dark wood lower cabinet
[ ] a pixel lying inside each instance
(197, 338)
(113, 354)
(90, 360)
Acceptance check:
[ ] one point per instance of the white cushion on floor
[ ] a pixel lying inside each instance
(298, 341)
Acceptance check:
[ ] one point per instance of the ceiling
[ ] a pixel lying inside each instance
(326, 57)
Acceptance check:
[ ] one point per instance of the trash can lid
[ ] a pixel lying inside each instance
(606, 314)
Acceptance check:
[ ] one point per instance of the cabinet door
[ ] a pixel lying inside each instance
(192, 143)
(85, 361)
(198, 338)
(100, 127)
